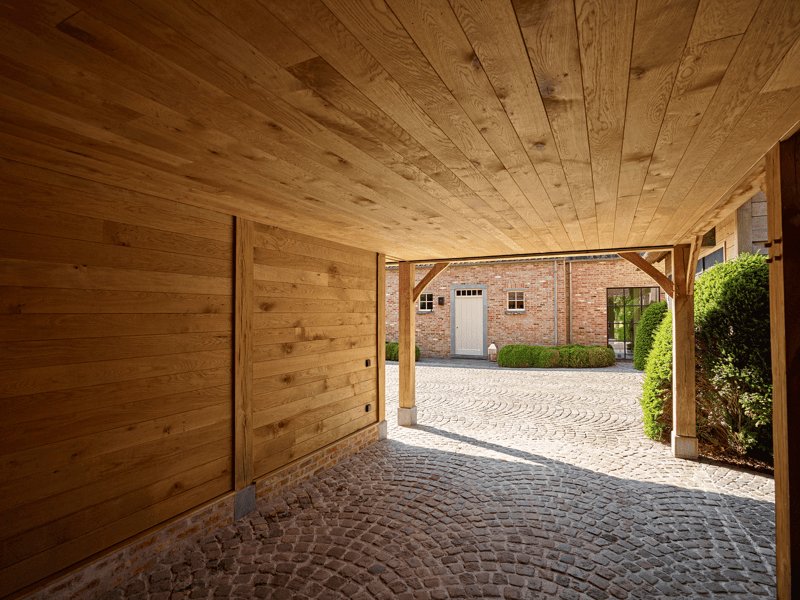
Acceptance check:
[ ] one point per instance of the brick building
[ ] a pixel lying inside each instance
(537, 302)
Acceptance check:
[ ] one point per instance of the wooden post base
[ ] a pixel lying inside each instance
(407, 417)
(383, 430)
(684, 447)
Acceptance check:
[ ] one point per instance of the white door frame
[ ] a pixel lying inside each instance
(453, 289)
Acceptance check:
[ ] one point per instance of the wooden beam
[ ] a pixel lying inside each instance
(646, 267)
(429, 276)
(243, 359)
(407, 338)
(380, 298)
(684, 431)
(691, 265)
(783, 225)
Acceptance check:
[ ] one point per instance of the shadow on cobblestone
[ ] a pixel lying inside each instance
(404, 521)
(516, 485)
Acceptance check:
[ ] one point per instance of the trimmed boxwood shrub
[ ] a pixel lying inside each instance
(648, 324)
(586, 356)
(734, 371)
(527, 356)
(657, 393)
(563, 356)
(393, 351)
(731, 304)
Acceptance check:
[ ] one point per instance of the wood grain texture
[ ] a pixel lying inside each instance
(643, 264)
(429, 276)
(380, 342)
(316, 351)
(243, 357)
(683, 361)
(406, 353)
(422, 130)
(783, 208)
(117, 364)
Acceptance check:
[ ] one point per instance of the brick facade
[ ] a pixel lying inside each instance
(100, 574)
(581, 301)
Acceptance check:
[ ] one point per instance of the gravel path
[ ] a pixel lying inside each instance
(534, 483)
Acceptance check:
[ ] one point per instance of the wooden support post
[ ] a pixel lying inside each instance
(380, 299)
(684, 434)
(243, 356)
(783, 230)
(407, 413)
(646, 267)
(429, 276)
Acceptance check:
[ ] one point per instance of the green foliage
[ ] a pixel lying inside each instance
(527, 356)
(733, 348)
(657, 394)
(586, 356)
(648, 323)
(563, 356)
(393, 351)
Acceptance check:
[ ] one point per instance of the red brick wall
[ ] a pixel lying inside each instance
(536, 326)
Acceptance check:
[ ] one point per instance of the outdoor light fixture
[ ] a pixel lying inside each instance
(492, 352)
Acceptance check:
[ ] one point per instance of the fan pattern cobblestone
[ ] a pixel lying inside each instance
(518, 484)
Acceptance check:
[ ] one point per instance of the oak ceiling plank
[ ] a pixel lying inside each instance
(319, 76)
(296, 223)
(254, 23)
(445, 48)
(772, 31)
(736, 195)
(119, 16)
(551, 38)
(32, 117)
(717, 19)
(660, 33)
(383, 37)
(321, 111)
(776, 114)
(214, 37)
(787, 75)
(494, 34)
(701, 70)
(605, 35)
(272, 214)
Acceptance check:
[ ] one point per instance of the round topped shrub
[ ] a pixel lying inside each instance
(645, 331)
(657, 392)
(393, 351)
(731, 313)
(523, 356)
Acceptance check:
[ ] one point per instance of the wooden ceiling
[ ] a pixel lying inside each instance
(421, 129)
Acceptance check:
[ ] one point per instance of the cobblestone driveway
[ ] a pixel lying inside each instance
(516, 484)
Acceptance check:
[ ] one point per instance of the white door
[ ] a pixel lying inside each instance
(469, 322)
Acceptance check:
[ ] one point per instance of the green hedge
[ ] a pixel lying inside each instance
(586, 356)
(731, 305)
(645, 331)
(734, 371)
(393, 351)
(657, 393)
(563, 356)
(527, 356)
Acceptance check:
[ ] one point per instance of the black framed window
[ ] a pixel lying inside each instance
(625, 307)
(710, 260)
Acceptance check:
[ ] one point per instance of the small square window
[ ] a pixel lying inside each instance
(516, 301)
(426, 302)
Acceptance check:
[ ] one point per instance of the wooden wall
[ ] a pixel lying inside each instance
(115, 367)
(155, 356)
(314, 328)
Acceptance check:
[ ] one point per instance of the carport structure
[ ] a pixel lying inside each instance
(200, 197)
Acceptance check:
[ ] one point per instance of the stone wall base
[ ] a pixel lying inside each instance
(103, 572)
